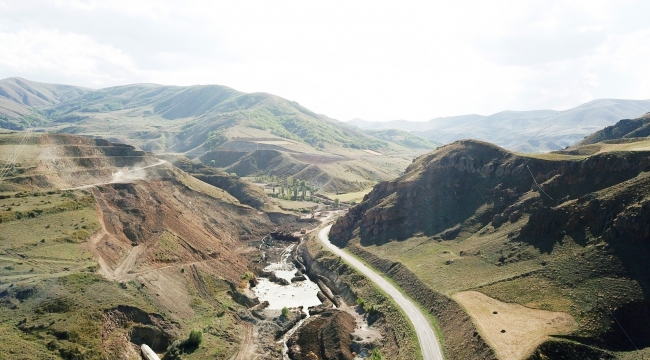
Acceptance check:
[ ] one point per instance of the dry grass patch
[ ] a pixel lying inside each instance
(512, 330)
(352, 196)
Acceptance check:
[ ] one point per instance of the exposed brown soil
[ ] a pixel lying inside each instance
(326, 336)
(176, 238)
(389, 327)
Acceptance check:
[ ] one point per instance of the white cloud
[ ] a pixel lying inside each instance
(368, 59)
(74, 55)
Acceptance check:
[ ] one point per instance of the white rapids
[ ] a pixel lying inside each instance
(300, 293)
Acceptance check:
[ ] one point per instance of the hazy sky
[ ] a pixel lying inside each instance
(376, 60)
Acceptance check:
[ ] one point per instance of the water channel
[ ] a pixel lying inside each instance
(296, 294)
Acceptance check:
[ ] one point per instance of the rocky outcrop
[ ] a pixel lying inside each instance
(347, 285)
(465, 185)
(592, 209)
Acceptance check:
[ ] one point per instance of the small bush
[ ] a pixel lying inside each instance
(285, 312)
(175, 351)
(248, 275)
(195, 339)
(376, 355)
(361, 302)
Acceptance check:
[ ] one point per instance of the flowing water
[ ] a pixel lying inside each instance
(300, 293)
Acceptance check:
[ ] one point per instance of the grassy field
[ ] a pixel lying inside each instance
(295, 205)
(347, 197)
(535, 279)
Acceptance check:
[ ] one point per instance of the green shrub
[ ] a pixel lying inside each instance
(248, 275)
(376, 355)
(361, 302)
(195, 339)
(285, 312)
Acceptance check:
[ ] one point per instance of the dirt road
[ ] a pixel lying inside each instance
(428, 341)
(120, 177)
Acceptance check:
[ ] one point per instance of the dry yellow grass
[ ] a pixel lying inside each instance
(525, 328)
(643, 145)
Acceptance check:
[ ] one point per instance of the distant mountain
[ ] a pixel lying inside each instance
(202, 109)
(524, 131)
(403, 138)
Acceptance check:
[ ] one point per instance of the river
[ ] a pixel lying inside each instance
(296, 294)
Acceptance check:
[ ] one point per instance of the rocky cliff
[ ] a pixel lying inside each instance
(577, 225)
(461, 187)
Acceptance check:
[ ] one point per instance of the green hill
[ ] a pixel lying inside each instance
(20, 101)
(403, 138)
(627, 129)
(213, 123)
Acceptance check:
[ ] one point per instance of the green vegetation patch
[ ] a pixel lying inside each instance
(168, 248)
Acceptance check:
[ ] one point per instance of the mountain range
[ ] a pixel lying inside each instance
(254, 134)
(521, 131)
(209, 122)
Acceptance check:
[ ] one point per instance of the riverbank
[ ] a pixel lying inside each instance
(398, 339)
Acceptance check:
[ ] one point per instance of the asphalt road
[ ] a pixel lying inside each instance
(426, 336)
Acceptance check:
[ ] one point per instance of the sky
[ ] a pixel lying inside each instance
(374, 60)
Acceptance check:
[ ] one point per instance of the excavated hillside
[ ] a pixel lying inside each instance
(470, 216)
(106, 247)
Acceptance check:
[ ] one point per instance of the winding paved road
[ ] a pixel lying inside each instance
(426, 336)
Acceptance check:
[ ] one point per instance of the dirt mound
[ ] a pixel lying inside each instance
(154, 223)
(326, 336)
(125, 328)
